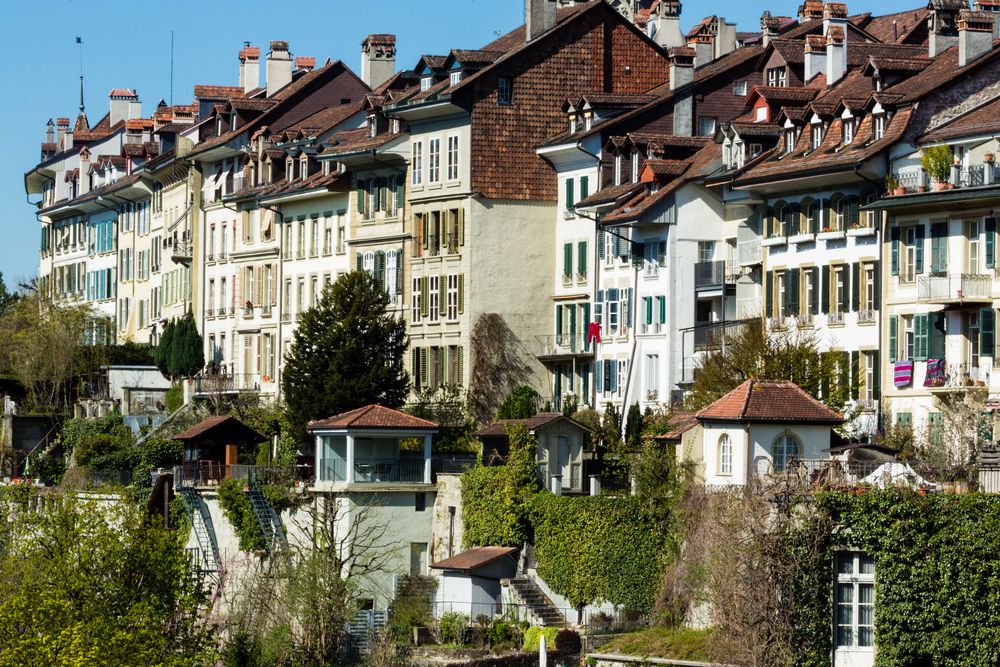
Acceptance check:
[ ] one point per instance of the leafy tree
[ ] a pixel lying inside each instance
(347, 352)
(752, 352)
(446, 407)
(521, 403)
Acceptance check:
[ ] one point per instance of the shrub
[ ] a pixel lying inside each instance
(503, 632)
(937, 161)
(412, 606)
(96, 446)
(175, 397)
(238, 510)
(453, 625)
(533, 635)
(568, 642)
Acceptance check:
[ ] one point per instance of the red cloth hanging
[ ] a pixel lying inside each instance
(594, 332)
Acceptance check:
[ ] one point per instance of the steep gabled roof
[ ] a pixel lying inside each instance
(219, 424)
(772, 401)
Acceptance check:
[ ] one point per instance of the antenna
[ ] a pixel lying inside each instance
(79, 40)
(171, 68)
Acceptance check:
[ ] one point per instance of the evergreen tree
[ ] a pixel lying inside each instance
(633, 428)
(162, 354)
(188, 353)
(347, 352)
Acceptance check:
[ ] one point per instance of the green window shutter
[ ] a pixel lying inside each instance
(567, 260)
(569, 194)
(769, 293)
(878, 286)
(939, 247)
(814, 218)
(662, 303)
(360, 262)
(440, 360)
(647, 302)
(920, 337)
(586, 317)
(990, 227)
(461, 226)
(415, 368)
(919, 263)
(894, 250)
(661, 253)
(423, 368)
(400, 193)
(600, 244)
(572, 320)
(424, 300)
(459, 366)
(876, 359)
(361, 196)
(581, 258)
(855, 287)
(443, 295)
(893, 333)
(584, 187)
(855, 374)
(559, 320)
(815, 289)
(792, 290)
(904, 418)
(825, 289)
(461, 293)
(987, 331)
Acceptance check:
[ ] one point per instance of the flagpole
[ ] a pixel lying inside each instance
(79, 41)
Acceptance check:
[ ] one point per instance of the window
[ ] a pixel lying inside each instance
(789, 139)
(454, 78)
(453, 157)
(868, 286)
(816, 135)
(391, 268)
(652, 375)
(972, 246)
(868, 390)
(848, 130)
(505, 90)
(808, 290)
(725, 455)
(785, 450)
(755, 149)
(807, 211)
(416, 172)
(341, 233)
(776, 77)
(426, 82)
(740, 88)
(706, 251)
(635, 167)
(838, 297)
(838, 209)
(855, 600)
(327, 235)
(434, 161)
(908, 339)
(779, 291)
(879, 126)
(908, 274)
(416, 301)
(706, 126)
(452, 305)
(618, 169)
(314, 238)
(286, 250)
(433, 298)
(972, 336)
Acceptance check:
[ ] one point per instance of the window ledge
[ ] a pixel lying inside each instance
(830, 236)
(774, 241)
(808, 237)
(861, 231)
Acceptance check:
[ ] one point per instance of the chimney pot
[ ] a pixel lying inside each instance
(378, 59)
(279, 67)
(305, 62)
(975, 35)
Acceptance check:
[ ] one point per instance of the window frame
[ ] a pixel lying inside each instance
(724, 456)
(783, 439)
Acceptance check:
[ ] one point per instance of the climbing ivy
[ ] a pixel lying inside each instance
(937, 576)
(591, 549)
(238, 510)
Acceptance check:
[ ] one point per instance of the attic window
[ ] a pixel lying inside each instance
(372, 126)
(706, 126)
(816, 136)
(587, 120)
(572, 124)
(425, 83)
(789, 140)
(776, 77)
(740, 88)
(304, 168)
(232, 120)
(289, 169)
(505, 90)
(756, 149)
(848, 133)
(218, 126)
(455, 77)
(878, 122)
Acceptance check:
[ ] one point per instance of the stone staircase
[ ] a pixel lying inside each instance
(537, 601)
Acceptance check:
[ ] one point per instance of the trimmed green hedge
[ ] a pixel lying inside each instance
(937, 576)
(593, 549)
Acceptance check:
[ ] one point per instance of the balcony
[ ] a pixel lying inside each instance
(233, 383)
(749, 252)
(710, 276)
(182, 252)
(959, 377)
(563, 346)
(954, 288)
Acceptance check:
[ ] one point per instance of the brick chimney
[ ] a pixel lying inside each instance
(539, 17)
(975, 35)
(992, 6)
(279, 67)
(378, 59)
(249, 67)
(942, 26)
(307, 63)
(124, 105)
(682, 73)
(811, 10)
(815, 56)
(835, 30)
(62, 127)
(665, 26)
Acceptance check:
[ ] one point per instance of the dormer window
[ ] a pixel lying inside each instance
(848, 133)
(426, 82)
(289, 169)
(635, 167)
(304, 168)
(455, 78)
(776, 77)
(755, 149)
(816, 137)
(232, 120)
(878, 123)
(372, 126)
(572, 124)
(587, 121)
(394, 125)
(218, 126)
(618, 169)
(789, 139)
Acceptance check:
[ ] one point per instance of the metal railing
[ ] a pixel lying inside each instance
(452, 464)
(749, 252)
(563, 344)
(971, 176)
(820, 473)
(590, 621)
(960, 375)
(866, 315)
(713, 274)
(953, 287)
(230, 383)
(378, 471)
(332, 471)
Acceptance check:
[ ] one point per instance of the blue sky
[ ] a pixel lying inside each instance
(127, 44)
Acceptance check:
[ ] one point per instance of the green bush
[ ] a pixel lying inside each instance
(503, 633)
(175, 397)
(453, 625)
(412, 607)
(568, 642)
(96, 447)
(532, 638)
(237, 509)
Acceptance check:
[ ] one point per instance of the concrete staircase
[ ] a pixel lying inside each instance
(537, 602)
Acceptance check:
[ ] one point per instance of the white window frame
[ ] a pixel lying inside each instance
(725, 455)
(416, 315)
(452, 157)
(740, 88)
(783, 439)
(434, 160)
(452, 296)
(858, 575)
(417, 168)
(433, 298)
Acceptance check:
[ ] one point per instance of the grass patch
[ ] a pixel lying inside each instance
(659, 642)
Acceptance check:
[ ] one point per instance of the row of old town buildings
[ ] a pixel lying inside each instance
(621, 192)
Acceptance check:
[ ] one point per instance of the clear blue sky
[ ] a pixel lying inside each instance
(127, 44)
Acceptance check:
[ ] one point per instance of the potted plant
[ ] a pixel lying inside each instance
(988, 157)
(891, 184)
(937, 162)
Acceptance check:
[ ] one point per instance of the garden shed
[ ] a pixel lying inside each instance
(470, 581)
(211, 448)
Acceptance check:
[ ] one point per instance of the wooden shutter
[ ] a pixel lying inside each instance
(400, 193)
(987, 331)
(461, 293)
(769, 293)
(876, 359)
(628, 308)
(814, 217)
(415, 368)
(424, 297)
(920, 337)
(559, 320)
(855, 286)
(581, 258)
(584, 187)
(461, 226)
(877, 291)
(939, 247)
(990, 227)
(399, 271)
(459, 365)
(360, 192)
(919, 250)
(855, 368)
(424, 375)
(360, 261)
(443, 295)
(894, 251)
(568, 259)
(569, 194)
(769, 222)
(662, 253)
(424, 232)
(792, 290)
(815, 289)
(600, 244)
(825, 288)
(937, 336)
(893, 334)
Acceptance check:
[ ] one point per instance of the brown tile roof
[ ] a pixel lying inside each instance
(476, 57)
(122, 92)
(499, 427)
(984, 119)
(609, 194)
(374, 417)
(680, 423)
(749, 129)
(251, 104)
(894, 28)
(329, 182)
(475, 558)
(204, 92)
(355, 141)
(942, 69)
(668, 167)
(221, 422)
(782, 95)
(774, 401)
(792, 51)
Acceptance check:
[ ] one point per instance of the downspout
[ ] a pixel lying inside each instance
(879, 415)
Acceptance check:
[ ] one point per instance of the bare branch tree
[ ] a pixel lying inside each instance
(498, 365)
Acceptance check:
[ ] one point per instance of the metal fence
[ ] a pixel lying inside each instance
(588, 620)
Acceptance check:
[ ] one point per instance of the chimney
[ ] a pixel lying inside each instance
(725, 38)
(942, 28)
(84, 172)
(682, 73)
(835, 29)
(62, 127)
(993, 7)
(307, 63)
(703, 49)
(665, 26)
(539, 16)
(815, 56)
(50, 132)
(378, 59)
(975, 35)
(124, 105)
(811, 10)
(279, 67)
(249, 67)
(768, 25)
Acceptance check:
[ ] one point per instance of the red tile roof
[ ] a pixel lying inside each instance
(227, 422)
(374, 417)
(217, 92)
(472, 559)
(775, 401)
(680, 423)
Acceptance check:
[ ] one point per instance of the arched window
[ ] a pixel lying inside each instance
(780, 210)
(786, 447)
(838, 209)
(369, 262)
(807, 211)
(725, 455)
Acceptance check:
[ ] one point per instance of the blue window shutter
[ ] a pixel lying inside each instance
(894, 250)
(893, 333)
(987, 331)
(919, 249)
(990, 227)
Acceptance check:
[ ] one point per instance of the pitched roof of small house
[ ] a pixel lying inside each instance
(775, 401)
(475, 558)
(374, 417)
(219, 424)
(499, 427)
(680, 423)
